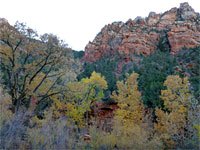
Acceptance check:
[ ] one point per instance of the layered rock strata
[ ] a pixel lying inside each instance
(173, 30)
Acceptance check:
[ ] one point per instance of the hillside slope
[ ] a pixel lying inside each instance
(171, 41)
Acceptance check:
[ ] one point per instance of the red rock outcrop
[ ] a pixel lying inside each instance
(102, 43)
(103, 114)
(184, 34)
(175, 29)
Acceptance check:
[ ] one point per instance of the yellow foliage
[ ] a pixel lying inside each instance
(124, 137)
(177, 95)
(130, 106)
(198, 128)
(79, 97)
(177, 100)
(96, 80)
(75, 114)
(30, 68)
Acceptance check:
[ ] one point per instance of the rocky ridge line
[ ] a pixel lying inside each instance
(171, 30)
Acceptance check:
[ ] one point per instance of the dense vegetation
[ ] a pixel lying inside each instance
(47, 103)
(106, 68)
(153, 71)
(189, 65)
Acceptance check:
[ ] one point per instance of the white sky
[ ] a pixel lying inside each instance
(78, 21)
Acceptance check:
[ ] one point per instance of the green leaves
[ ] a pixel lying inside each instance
(153, 71)
(106, 67)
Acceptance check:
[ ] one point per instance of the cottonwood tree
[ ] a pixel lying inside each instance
(79, 97)
(30, 64)
(175, 124)
(131, 109)
(131, 128)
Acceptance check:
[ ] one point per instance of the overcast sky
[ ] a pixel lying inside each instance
(78, 21)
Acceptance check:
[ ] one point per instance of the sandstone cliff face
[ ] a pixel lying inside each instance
(173, 29)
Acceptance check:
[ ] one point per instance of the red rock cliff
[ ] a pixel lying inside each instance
(173, 29)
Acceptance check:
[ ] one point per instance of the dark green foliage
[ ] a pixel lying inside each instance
(160, 45)
(189, 63)
(78, 54)
(104, 66)
(153, 71)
